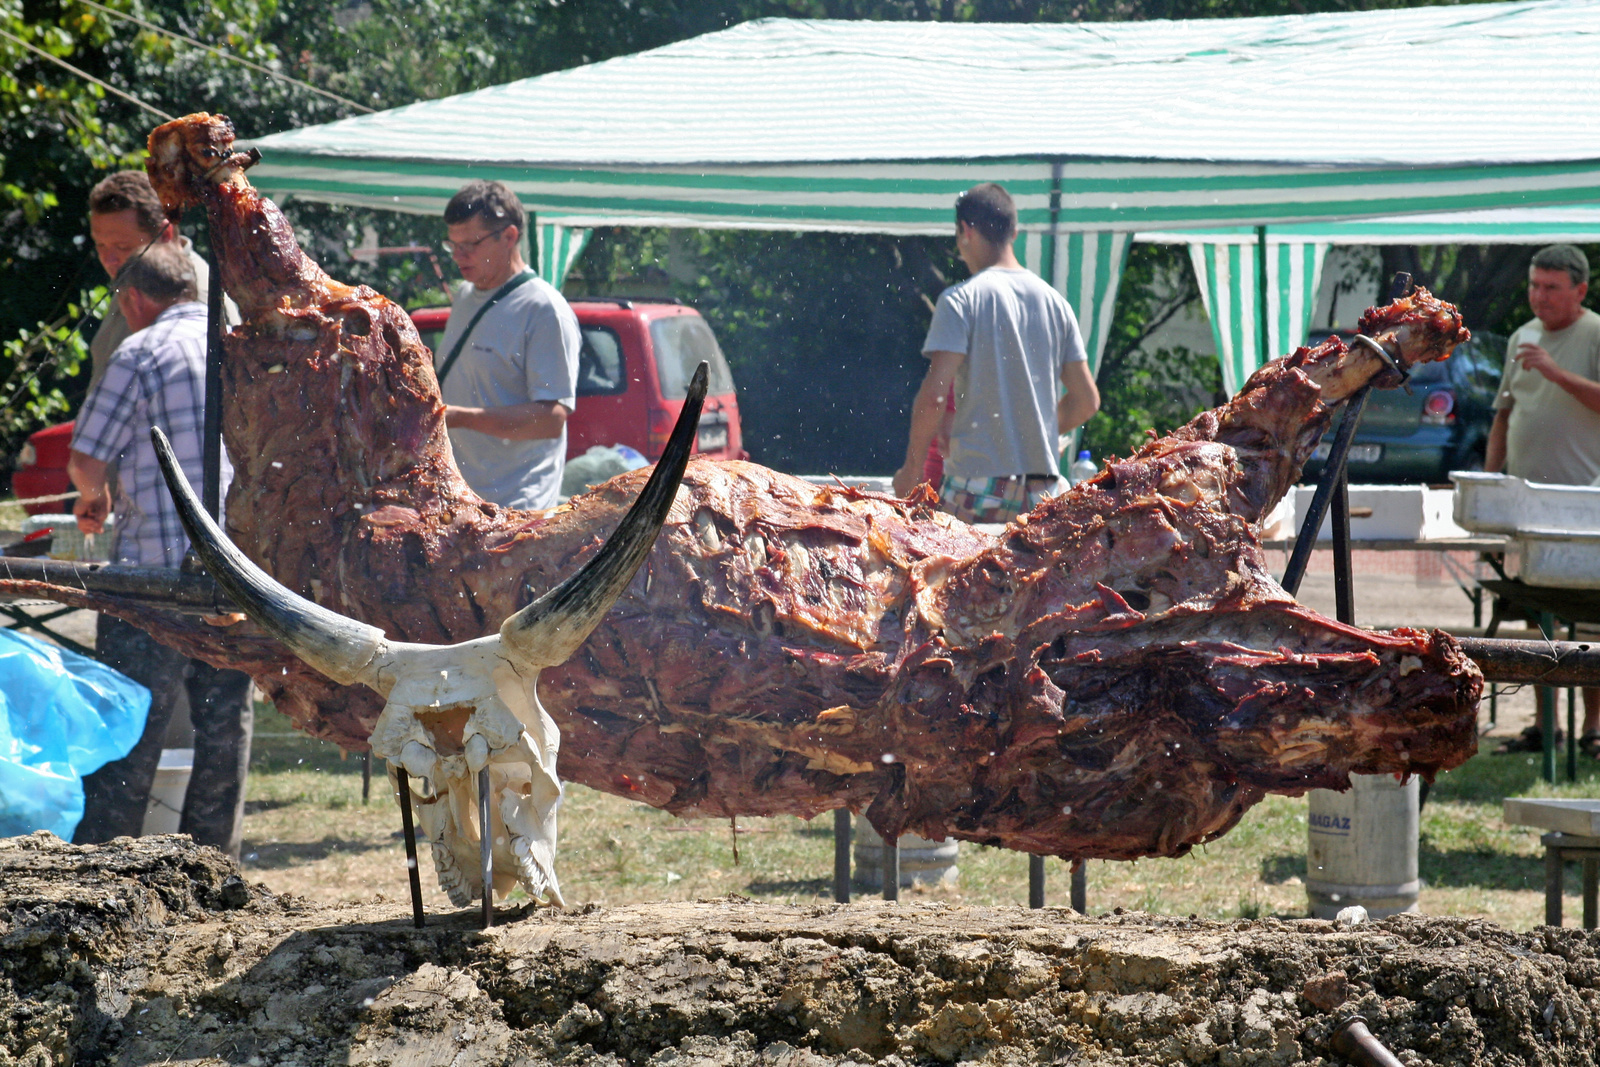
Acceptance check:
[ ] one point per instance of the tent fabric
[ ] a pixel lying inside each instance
(833, 125)
(1086, 268)
(1228, 277)
(559, 248)
(1577, 223)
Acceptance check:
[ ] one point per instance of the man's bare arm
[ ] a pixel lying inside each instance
(1581, 389)
(927, 415)
(94, 497)
(536, 420)
(1080, 400)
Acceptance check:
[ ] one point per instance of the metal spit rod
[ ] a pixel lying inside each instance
(1552, 663)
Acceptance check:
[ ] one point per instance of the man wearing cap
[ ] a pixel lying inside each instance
(1547, 414)
(156, 377)
(1009, 345)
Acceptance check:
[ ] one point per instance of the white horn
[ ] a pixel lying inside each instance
(341, 648)
(548, 631)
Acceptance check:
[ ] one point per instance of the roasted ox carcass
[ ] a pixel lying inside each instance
(1114, 675)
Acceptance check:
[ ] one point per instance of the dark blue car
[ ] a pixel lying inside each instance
(1441, 426)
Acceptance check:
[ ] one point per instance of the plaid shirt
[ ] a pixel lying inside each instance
(157, 377)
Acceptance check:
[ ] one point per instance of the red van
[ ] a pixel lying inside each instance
(633, 372)
(41, 470)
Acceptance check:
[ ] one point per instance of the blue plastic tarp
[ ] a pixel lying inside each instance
(62, 716)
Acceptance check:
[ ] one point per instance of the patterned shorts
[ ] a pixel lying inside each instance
(996, 499)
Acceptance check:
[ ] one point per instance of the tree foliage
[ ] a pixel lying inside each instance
(823, 330)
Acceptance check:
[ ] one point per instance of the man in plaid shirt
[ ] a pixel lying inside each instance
(157, 378)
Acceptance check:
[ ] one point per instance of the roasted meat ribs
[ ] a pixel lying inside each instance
(1114, 675)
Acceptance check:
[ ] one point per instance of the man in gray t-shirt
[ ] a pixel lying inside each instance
(510, 390)
(1003, 340)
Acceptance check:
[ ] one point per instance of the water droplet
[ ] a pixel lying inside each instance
(887, 757)
(1067, 810)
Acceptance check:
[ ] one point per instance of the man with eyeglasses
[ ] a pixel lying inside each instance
(508, 361)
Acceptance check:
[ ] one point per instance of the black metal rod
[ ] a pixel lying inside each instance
(1344, 593)
(211, 442)
(1035, 881)
(891, 868)
(1306, 541)
(486, 848)
(409, 831)
(841, 855)
(1080, 887)
(366, 777)
(1352, 1040)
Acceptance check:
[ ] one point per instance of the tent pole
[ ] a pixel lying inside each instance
(1261, 295)
(1049, 263)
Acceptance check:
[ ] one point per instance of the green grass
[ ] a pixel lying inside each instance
(309, 833)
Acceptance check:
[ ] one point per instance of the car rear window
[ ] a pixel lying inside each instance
(600, 366)
(681, 342)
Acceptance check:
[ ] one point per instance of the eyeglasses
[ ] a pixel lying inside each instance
(466, 248)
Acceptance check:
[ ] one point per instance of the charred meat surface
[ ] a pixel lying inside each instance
(1116, 675)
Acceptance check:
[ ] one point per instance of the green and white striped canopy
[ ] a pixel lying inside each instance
(1121, 126)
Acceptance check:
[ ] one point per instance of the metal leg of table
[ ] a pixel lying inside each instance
(1591, 892)
(891, 868)
(841, 855)
(1494, 690)
(1547, 709)
(1552, 886)
(1035, 881)
(1572, 717)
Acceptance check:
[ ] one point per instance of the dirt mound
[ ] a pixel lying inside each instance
(154, 951)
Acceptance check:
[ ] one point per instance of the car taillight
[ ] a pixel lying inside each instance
(1439, 408)
(660, 429)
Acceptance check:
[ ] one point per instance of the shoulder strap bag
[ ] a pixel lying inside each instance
(455, 353)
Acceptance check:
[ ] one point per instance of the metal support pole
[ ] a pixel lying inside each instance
(1080, 887)
(891, 868)
(841, 855)
(1035, 881)
(1262, 296)
(486, 848)
(366, 777)
(1344, 594)
(1572, 717)
(1547, 709)
(1553, 872)
(409, 831)
(211, 439)
(1591, 892)
(1306, 541)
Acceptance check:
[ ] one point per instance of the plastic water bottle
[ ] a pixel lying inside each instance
(1083, 468)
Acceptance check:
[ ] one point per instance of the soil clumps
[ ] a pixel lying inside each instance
(156, 951)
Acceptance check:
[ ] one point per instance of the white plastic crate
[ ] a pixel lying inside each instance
(1504, 503)
(1399, 513)
(67, 542)
(1566, 559)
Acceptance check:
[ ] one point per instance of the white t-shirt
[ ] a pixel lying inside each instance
(1016, 332)
(525, 348)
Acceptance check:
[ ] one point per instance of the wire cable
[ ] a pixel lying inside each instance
(151, 26)
(86, 76)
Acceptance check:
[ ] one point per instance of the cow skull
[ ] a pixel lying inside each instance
(454, 710)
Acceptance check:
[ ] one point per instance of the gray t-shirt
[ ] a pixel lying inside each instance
(525, 348)
(1550, 436)
(1016, 332)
